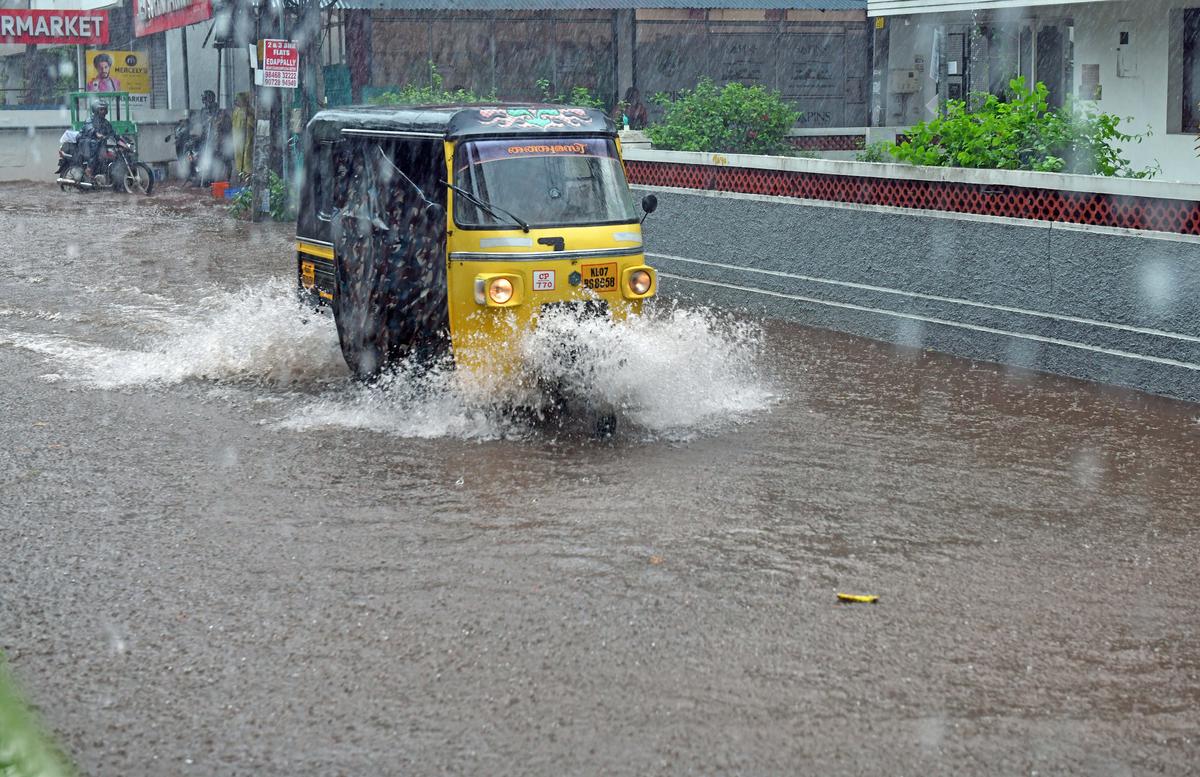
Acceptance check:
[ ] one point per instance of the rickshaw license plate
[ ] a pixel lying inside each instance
(599, 277)
(308, 272)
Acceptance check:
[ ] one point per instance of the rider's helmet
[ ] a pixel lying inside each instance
(100, 110)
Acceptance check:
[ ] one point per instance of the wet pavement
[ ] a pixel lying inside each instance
(220, 556)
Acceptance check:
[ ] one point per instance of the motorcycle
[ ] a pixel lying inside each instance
(117, 166)
(187, 151)
(199, 160)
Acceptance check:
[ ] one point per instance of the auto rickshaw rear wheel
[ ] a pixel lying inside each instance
(363, 325)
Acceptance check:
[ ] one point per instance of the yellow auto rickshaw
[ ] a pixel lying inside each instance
(445, 229)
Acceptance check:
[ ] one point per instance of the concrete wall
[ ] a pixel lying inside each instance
(29, 141)
(1089, 302)
(1145, 95)
(202, 68)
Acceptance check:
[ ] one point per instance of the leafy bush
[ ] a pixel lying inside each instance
(1020, 132)
(434, 94)
(281, 204)
(880, 151)
(579, 96)
(734, 119)
(26, 750)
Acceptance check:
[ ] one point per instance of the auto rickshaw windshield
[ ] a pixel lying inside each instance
(546, 182)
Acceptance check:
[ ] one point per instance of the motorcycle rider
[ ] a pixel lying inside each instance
(96, 130)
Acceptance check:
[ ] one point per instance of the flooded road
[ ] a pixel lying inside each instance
(220, 556)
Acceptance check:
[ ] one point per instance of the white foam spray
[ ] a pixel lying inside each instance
(257, 334)
(672, 372)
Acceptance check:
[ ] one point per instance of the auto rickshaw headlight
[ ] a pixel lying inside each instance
(637, 282)
(498, 291)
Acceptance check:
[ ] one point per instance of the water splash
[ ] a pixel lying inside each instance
(669, 370)
(411, 401)
(671, 373)
(258, 334)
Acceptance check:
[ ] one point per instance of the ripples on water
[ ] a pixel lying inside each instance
(672, 372)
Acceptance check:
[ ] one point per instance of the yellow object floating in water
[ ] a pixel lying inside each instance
(863, 598)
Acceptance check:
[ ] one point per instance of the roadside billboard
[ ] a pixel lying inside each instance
(280, 64)
(151, 16)
(119, 71)
(53, 27)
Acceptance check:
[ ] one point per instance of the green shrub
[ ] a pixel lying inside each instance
(734, 119)
(1020, 132)
(579, 96)
(26, 750)
(880, 151)
(281, 202)
(434, 94)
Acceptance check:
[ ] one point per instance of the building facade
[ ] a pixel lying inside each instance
(1134, 58)
(815, 52)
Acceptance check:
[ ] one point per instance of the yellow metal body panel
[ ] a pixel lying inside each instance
(310, 256)
(599, 259)
(325, 252)
(485, 335)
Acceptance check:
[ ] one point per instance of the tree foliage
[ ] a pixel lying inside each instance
(1020, 132)
(735, 119)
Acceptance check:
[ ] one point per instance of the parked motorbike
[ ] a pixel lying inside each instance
(117, 166)
(199, 161)
(187, 151)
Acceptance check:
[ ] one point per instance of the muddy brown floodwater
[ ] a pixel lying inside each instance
(220, 556)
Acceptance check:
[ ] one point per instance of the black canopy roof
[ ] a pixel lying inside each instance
(576, 5)
(458, 121)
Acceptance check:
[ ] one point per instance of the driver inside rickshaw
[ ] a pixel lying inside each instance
(551, 183)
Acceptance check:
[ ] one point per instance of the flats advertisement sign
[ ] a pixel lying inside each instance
(280, 64)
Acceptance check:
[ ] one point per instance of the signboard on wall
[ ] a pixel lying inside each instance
(53, 27)
(119, 71)
(151, 16)
(280, 64)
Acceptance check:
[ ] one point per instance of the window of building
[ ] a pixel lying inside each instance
(1191, 70)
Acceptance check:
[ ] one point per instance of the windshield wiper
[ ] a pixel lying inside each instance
(495, 210)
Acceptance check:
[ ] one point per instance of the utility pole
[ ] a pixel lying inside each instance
(260, 159)
(309, 34)
(187, 84)
(281, 95)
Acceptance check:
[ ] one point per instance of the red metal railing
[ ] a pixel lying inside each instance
(1099, 209)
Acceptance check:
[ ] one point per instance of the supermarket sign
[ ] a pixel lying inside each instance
(280, 64)
(53, 27)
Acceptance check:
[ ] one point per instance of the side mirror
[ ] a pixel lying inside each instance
(649, 204)
(435, 213)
